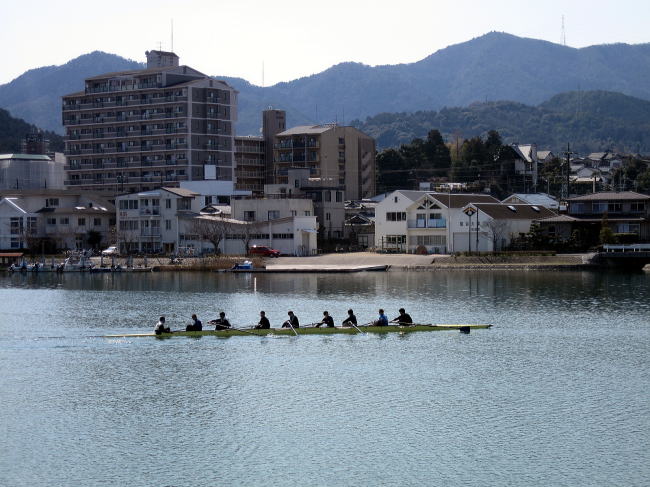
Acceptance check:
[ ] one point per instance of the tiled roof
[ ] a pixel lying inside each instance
(184, 193)
(612, 196)
(500, 211)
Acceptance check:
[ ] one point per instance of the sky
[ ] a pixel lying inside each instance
(268, 41)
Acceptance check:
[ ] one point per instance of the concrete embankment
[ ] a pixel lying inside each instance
(434, 262)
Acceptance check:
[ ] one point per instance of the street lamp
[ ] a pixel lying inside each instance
(469, 211)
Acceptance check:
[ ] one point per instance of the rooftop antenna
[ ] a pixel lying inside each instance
(172, 23)
(160, 45)
(262, 73)
(563, 33)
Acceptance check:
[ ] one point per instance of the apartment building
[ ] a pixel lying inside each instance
(55, 219)
(138, 130)
(250, 161)
(344, 155)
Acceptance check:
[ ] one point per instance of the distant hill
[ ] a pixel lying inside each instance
(591, 121)
(13, 130)
(36, 94)
(495, 66)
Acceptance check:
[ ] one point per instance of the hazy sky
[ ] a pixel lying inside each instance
(295, 38)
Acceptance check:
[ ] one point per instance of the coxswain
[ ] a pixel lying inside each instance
(351, 320)
(327, 320)
(220, 323)
(263, 323)
(404, 318)
(382, 320)
(292, 322)
(161, 327)
(196, 324)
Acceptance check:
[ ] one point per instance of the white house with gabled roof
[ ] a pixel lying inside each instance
(409, 221)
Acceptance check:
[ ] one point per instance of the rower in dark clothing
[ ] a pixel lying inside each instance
(220, 323)
(263, 323)
(161, 327)
(292, 322)
(403, 319)
(327, 320)
(196, 324)
(350, 320)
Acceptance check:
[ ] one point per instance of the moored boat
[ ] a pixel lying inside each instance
(310, 330)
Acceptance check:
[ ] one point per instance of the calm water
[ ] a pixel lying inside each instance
(554, 394)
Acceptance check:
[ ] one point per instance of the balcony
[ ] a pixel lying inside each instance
(150, 211)
(432, 223)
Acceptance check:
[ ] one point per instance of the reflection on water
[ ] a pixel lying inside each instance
(554, 394)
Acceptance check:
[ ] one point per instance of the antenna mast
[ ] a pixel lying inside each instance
(563, 32)
(172, 24)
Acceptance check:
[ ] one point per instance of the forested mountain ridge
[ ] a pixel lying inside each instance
(495, 66)
(590, 121)
(13, 131)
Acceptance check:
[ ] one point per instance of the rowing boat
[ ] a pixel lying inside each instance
(308, 331)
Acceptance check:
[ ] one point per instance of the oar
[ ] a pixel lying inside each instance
(292, 328)
(357, 328)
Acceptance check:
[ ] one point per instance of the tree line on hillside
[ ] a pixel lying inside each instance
(590, 121)
(13, 131)
(484, 164)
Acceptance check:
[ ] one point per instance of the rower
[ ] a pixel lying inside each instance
(350, 320)
(327, 320)
(292, 322)
(161, 327)
(263, 323)
(403, 319)
(220, 323)
(196, 324)
(382, 320)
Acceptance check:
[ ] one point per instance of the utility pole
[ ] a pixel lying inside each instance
(568, 154)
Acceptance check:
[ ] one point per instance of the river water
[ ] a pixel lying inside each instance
(556, 393)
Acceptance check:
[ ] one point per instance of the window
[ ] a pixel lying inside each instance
(273, 214)
(16, 225)
(296, 183)
(395, 239)
(339, 196)
(328, 196)
(183, 204)
(428, 240)
(168, 224)
(51, 221)
(249, 216)
(599, 207)
(392, 216)
(81, 222)
(308, 213)
(283, 236)
(341, 140)
(50, 202)
(615, 207)
(294, 212)
(168, 204)
(97, 222)
(638, 206)
(328, 217)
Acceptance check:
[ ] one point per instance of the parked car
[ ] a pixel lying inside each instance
(264, 251)
(112, 250)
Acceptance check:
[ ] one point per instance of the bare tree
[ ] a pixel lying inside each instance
(211, 229)
(498, 230)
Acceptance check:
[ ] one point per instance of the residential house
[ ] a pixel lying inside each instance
(627, 213)
(56, 219)
(410, 220)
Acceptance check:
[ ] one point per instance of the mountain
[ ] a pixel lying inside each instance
(591, 121)
(13, 130)
(36, 94)
(495, 66)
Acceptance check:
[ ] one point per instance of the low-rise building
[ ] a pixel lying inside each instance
(626, 213)
(409, 221)
(56, 219)
(31, 171)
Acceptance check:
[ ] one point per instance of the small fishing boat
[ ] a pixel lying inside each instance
(311, 330)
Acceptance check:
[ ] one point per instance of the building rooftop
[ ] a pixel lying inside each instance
(26, 157)
(182, 192)
(306, 129)
(500, 211)
(612, 195)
